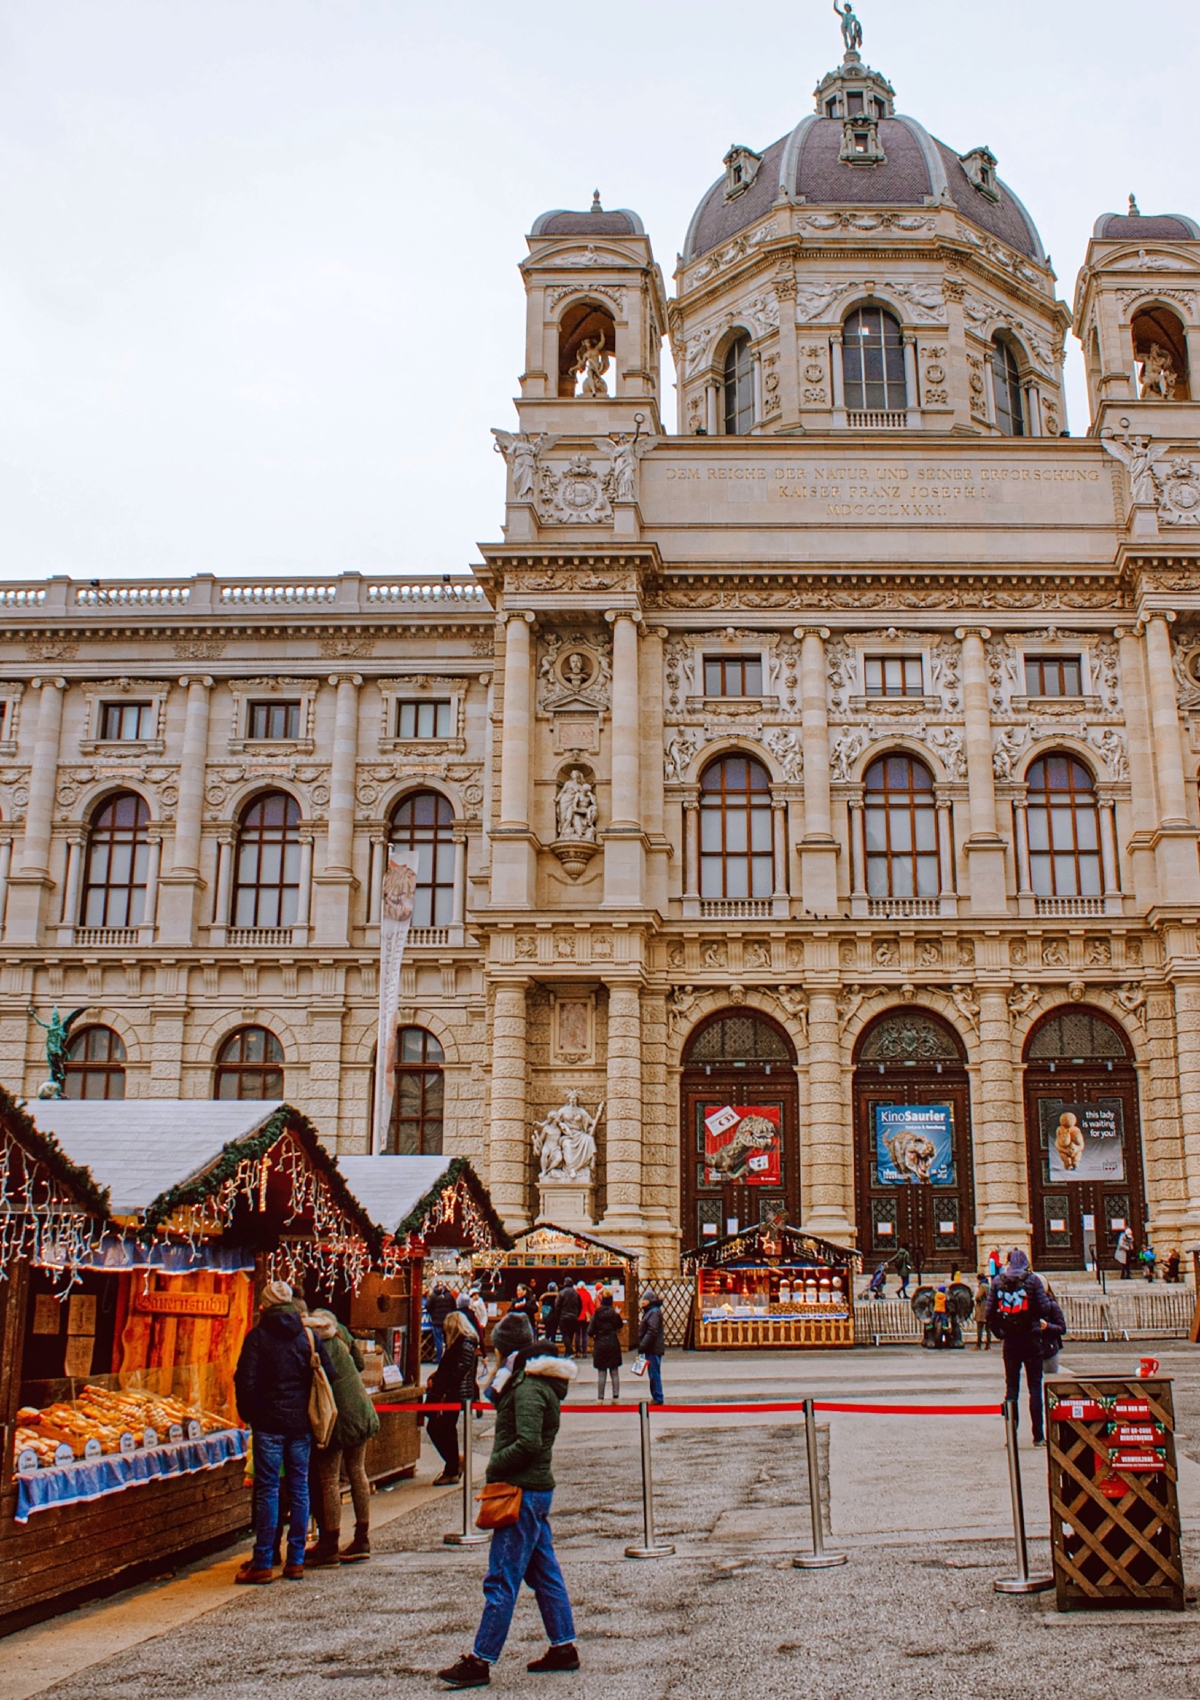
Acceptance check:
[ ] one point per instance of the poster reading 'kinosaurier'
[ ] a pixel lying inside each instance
(1084, 1142)
(914, 1144)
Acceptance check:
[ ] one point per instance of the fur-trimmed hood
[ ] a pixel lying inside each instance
(554, 1369)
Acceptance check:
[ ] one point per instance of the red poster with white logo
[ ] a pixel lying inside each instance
(742, 1145)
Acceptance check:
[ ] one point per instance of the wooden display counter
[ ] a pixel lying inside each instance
(772, 1286)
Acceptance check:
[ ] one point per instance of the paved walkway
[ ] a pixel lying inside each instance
(921, 1505)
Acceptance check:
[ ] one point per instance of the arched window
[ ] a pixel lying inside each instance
(250, 1065)
(900, 817)
(1064, 829)
(739, 388)
(424, 822)
(95, 1064)
(118, 854)
(266, 890)
(1006, 386)
(417, 1118)
(873, 362)
(735, 829)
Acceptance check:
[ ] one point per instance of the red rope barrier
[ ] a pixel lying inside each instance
(630, 1407)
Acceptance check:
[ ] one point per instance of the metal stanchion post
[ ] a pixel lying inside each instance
(469, 1536)
(819, 1559)
(650, 1547)
(1022, 1582)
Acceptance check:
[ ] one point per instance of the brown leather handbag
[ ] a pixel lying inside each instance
(499, 1506)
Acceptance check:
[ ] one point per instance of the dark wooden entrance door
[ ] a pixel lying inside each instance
(913, 1059)
(741, 1062)
(1079, 1057)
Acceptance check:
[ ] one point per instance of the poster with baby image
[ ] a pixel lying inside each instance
(1085, 1142)
(742, 1145)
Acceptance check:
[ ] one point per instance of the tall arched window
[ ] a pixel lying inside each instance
(873, 362)
(417, 1119)
(1006, 385)
(250, 1065)
(1064, 829)
(424, 822)
(266, 890)
(900, 818)
(118, 855)
(739, 388)
(735, 829)
(95, 1064)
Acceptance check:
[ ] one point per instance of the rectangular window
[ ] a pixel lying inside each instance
(894, 675)
(1053, 676)
(733, 676)
(273, 720)
(122, 722)
(423, 720)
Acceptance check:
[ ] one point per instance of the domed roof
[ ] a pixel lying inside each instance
(594, 222)
(805, 166)
(1134, 227)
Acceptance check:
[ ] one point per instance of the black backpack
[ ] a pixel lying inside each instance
(1014, 1311)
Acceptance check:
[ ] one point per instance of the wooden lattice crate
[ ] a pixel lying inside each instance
(782, 1331)
(1114, 1502)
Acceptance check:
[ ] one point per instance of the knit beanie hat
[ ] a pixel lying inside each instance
(513, 1333)
(275, 1295)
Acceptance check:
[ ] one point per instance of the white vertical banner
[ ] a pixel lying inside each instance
(399, 891)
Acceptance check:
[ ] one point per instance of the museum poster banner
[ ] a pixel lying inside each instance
(914, 1144)
(1084, 1142)
(399, 890)
(742, 1145)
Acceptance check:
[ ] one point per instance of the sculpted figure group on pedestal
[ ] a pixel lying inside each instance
(566, 1142)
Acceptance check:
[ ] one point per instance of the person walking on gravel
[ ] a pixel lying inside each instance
(1018, 1310)
(528, 1391)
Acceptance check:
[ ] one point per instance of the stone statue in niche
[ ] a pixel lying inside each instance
(1158, 374)
(565, 1143)
(576, 808)
(591, 363)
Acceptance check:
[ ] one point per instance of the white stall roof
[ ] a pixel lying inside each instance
(140, 1148)
(389, 1188)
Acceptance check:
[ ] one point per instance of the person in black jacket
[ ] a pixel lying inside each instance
(604, 1331)
(440, 1304)
(453, 1382)
(567, 1317)
(1019, 1310)
(652, 1342)
(272, 1382)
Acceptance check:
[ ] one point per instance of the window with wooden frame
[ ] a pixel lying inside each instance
(893, 675)
(116, 864)
(416, 1129)
(738, 388)
(266, 890)
(733, 676)
(273, 722)
(1064, 828)
(1006, 387)
(1053, 676)
(424, 719)
(250, 1066)
(736, 858)
(424, 822)
(900, 821)
(95, 1064)
(873, 362)
(126, 722)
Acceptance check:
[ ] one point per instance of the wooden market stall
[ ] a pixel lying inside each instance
(545, 1254)
(417, 1203)
(123, 1454)
(772, 1285)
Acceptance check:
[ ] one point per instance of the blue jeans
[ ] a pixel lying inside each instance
(439, 1342)
(524, 1553)
(274, 1453)
(654, 1376)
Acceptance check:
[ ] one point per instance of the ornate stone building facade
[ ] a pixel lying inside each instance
(834, 754)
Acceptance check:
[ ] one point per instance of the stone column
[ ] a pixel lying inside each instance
(623, 1115)
(6, 845)
(624, 852)
(304, 895)
(858, 856)
(508, 1146)
(818, 848)
(691, 857)
(1025, 898)
(459, 914)
(779, 856)
(827, 1165)
(998, 1134)
(69, 919)
(984, 847)
(910, 379)
(29, 889)
(838, 377)
(513, 860)
(657, 846)
(1187, 1036)
(1175, 838)
(182, 884)
(222, 918)
(335, 886)
(1143, 802)
(1108, 855)
(150, 911)
(946, 898)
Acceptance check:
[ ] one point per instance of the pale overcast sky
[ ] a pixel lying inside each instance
(258, 286)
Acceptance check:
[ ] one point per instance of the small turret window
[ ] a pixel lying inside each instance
(739, 388)
(1006, 378)
(873, 362)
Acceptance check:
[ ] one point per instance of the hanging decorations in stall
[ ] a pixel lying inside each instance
(51, 1211)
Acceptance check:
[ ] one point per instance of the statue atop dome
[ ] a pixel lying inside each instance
(851, 27)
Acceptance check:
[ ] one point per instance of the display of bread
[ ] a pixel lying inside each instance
(104, 1415)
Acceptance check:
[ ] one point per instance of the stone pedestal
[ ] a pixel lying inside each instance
(568, 1204)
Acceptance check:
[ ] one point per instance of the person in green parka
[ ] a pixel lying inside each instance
(357, 1421)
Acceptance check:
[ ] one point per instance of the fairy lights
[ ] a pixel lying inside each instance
(40, 1223)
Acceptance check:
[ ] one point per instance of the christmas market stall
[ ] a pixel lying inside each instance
(545, 1254)
(423, 1206)
(772, 1285)
(123, 1451)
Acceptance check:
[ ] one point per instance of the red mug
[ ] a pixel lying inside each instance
(1147, 1367)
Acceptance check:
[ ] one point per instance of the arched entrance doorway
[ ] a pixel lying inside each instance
(1083, 1137)
(912, 1142)
(740, 1141)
